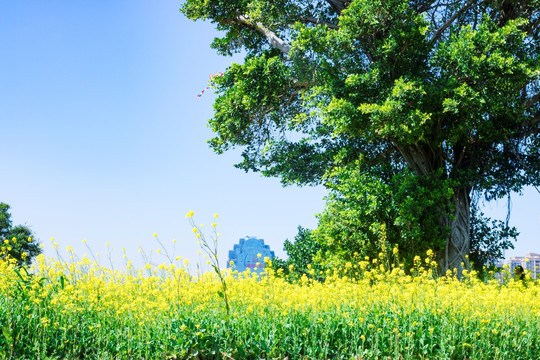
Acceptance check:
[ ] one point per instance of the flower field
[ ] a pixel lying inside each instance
(59, 310)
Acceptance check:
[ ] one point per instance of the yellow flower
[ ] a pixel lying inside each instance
(216, 216)
(214, 224)
(155, 235)
(259, 255)
(195, 229)
(190, 214)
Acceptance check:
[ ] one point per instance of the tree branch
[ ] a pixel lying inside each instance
(414, 156)
(439, 32)
(426, 6)
(275, 40)
(319, 21)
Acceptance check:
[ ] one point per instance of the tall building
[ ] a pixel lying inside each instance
(529, 262)
(249, 253)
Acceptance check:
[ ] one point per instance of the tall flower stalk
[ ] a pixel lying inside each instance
(209, 246)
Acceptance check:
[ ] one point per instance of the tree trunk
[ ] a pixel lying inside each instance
(459, 242)
(424, 161)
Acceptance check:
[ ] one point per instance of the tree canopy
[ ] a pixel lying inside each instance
(16, 242)
(427, 101)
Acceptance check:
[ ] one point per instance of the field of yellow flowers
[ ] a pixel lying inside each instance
(59, 310)
(371, 309)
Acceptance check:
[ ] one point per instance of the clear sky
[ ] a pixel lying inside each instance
(104, 139)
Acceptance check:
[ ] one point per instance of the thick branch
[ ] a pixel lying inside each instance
(275, 40)
(426, 6)
(319, 21)
(415, 158)
(439, 32)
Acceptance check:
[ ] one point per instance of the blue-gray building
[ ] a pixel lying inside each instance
(245, 255)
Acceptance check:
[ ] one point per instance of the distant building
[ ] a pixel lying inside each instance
(249, 253)
(529, 262)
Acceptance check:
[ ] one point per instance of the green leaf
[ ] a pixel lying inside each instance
(7, 334)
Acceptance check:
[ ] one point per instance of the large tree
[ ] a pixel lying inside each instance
(444, 95)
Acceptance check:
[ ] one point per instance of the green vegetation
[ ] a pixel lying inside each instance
(405, 110)
(301, 254)
(57, 310)
(17, 242)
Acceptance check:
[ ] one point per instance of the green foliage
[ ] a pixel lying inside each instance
(301, 253)
(16, 242)
(426, 103)
(367, 215)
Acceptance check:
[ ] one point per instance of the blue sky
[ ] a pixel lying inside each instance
(104, 138)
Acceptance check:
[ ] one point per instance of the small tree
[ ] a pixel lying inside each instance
(302, 253)
(16, 242)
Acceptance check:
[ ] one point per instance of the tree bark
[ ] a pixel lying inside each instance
(457, 219)
(459, 242)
